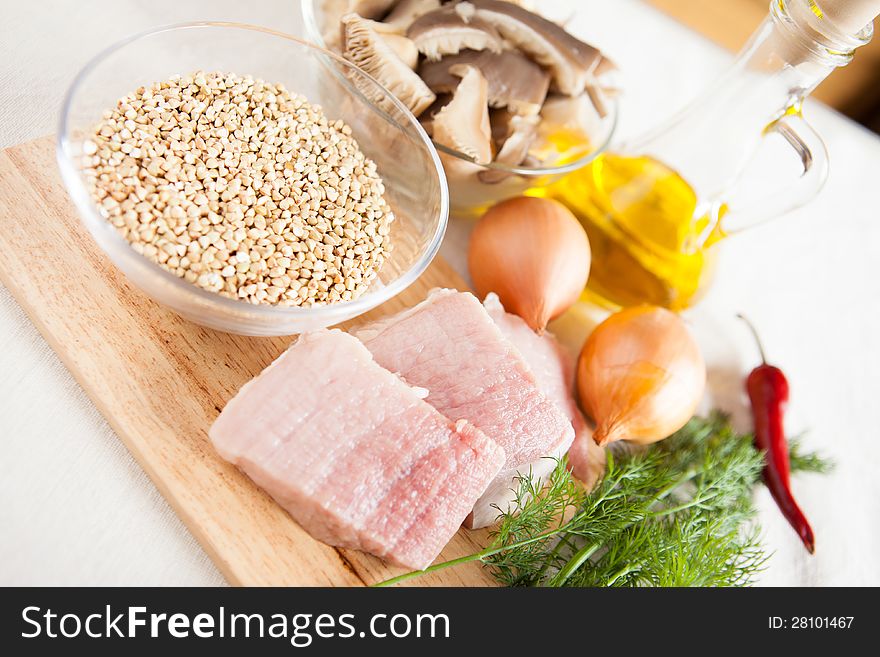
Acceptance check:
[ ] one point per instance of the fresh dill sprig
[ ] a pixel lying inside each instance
(800, 461)
(678, 513)
(674, 514)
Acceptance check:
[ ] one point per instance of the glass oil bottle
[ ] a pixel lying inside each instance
(655, 209)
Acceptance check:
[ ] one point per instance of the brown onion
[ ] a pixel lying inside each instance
(640, 376)
(533, 254)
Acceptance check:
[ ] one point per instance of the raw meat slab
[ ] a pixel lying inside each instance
(353, 453)
(449, 345)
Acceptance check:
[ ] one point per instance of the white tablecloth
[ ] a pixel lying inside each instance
(76, 509)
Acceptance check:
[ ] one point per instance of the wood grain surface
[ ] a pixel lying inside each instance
(160, 381)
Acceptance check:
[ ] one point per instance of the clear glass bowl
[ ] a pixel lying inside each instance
(469, 195)
(386, 131)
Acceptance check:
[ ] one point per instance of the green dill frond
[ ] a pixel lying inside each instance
(677, 513)
(537, 509)
(800, 461)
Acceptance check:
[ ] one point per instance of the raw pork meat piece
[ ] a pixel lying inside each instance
(450, 346)
(353, 453)
(554, 369)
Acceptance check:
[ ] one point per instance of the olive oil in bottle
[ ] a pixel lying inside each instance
(648, 246)
(654, 208)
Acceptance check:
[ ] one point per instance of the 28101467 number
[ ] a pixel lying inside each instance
(810, 622)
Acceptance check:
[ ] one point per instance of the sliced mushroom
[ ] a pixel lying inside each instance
(576, 115)
(572, 62)
(365, 48)
(463, 124)
(404, 48)
(597, 97)
(427, 117)
(523, 130)
(515, 81)
(374, 9)
(501, 121)
(451, 29)
(604, 86)
(332, 11)
(406, 12)
(604, 67)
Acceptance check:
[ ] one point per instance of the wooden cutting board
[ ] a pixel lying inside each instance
(160, 381)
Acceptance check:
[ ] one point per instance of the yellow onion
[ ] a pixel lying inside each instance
(533, 254)
(640, 376)
(586, 460)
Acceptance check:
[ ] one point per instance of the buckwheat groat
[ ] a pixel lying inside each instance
(242, 188)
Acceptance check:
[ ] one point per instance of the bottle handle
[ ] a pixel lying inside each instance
(813, 154)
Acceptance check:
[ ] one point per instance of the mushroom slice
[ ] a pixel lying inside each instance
(374, 9)
(515, 81)
(451, 29)
(427, 117)
(363, 47)
(463, 124)
(576, 115)
(436, 74)
(572, 62)
(597, 97)
(404, 48)
(501, 121)
(406, 12)
(332, 11)
(604, 86)
(515, 149)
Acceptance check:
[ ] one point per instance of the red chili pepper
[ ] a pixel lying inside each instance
(768, 393)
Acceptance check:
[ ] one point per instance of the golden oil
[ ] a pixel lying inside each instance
(652, 226)
(649, 244)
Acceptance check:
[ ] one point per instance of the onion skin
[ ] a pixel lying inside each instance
(586, 460)
(534, 254)
(640, 376)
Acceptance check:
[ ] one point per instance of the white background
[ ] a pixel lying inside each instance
(76, 509)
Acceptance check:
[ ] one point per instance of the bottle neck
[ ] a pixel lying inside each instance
(791, 52)
(712, 141)
(820, 32)
(800, 43)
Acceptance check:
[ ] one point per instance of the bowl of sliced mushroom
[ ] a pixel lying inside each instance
(511, 100)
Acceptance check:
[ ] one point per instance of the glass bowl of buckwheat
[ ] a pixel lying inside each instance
(250, 181)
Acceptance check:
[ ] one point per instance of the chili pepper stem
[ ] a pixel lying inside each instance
(757, 338)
